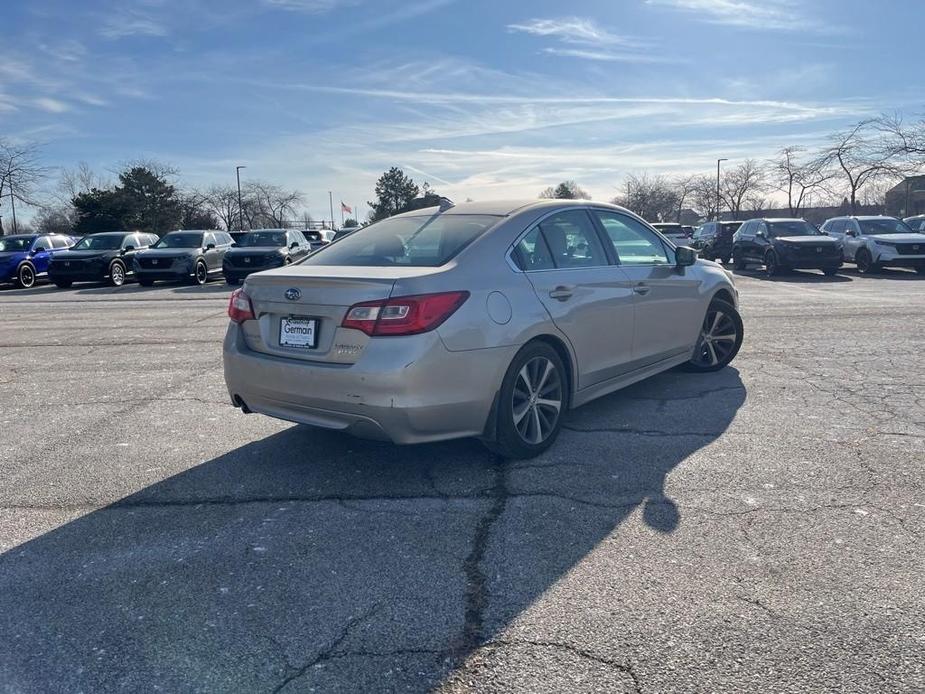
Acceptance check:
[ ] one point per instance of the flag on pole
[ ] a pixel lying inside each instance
(345, 208)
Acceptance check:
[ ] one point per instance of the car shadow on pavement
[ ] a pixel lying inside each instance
(794, 276)
(310, 560)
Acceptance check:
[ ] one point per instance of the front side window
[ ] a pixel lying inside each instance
(872, 227)
(263, 238)
(180, 240)
(835, 226)
(416, 241)
(633, 242)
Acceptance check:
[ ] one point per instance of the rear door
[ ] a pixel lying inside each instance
(666, 299)
(588, 298)
(852, 240)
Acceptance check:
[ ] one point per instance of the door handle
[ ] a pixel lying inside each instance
(562, 292)
(641, 289)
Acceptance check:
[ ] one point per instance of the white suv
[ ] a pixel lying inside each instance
(875, 242)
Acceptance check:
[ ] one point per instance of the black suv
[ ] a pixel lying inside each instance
(104, 257)
(263, 249)
(714, 240)
(785, 244)
(192, 256)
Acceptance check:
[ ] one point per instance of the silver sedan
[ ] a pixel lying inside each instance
(484, 319)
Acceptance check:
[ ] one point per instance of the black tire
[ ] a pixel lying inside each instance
(712, 354)
(830, 271)
(200, 274)
(772, 266)
(25, 276)
(865, 262)
(145, 282)
(539, 423)
(738, 262)
(116, 274)
(63, 284)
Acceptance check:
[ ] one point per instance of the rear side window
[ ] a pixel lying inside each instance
(572, 240)
(532, 253)
(415, 241)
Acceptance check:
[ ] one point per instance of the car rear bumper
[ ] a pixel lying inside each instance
(403, 389)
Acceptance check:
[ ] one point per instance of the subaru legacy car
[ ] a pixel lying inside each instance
(484, 319)
(262, 249)
(190, 256)
(785, 244)
(103, 257)
(874, 242)
(24, 258)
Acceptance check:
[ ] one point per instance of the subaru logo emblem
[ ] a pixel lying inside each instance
(293, 294)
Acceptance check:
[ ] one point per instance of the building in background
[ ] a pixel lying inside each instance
(906, 198)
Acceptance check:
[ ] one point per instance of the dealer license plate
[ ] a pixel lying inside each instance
(298, 332)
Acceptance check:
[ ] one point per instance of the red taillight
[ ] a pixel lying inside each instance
(404, 315)
(240, 308)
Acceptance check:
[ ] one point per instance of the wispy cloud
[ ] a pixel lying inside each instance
(583, 38)
(50, 105)
(751, 14)
(310, 6)
(129, 22)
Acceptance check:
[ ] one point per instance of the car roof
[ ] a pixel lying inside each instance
(250, 231)
(114, 233)
(506, 208)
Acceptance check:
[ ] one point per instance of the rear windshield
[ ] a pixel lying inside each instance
(263, 238)
(418, 241)
(15, 243)
(179, 241)
(883, 226)
(792, 228)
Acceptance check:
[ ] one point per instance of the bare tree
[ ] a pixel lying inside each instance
(82, 179)
(797, 177)
(567, 190)
(703, 195)
(652, 198)
(271, 204)
(684, 187)
(861, 155)
(223, 201)
(904, 140)
(739, 183)
(21, 173)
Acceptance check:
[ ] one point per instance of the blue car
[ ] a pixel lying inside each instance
(24, 258)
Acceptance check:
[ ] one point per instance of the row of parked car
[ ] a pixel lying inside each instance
(193, 256)
(870, 242)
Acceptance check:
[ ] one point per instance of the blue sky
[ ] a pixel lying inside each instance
(483, 99)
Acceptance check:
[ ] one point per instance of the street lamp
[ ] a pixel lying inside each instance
(717, 187)
(237, 173)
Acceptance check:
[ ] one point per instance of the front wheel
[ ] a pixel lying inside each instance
(25, 278)
(532, 402)
(772, 266)
(117, 274)
(738, 262)
(201, 274)
(865, 262)
(720, 338)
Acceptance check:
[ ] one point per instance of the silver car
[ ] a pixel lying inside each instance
(873, 242)
(485, 319)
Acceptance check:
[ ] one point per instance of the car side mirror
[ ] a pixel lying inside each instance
(128, 248)
(210, 247)
(851, 232)
(294, 244)
(685, 256)
(40, 249)
(761, 235)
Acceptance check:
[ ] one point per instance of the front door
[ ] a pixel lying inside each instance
(667, 299)
(588, 298)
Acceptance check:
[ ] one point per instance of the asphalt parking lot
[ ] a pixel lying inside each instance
(759, 529)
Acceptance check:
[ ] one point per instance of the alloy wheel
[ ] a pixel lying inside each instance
(201, 274)
(26, 276)
(537, 400)
(117, 275)
(717, 338)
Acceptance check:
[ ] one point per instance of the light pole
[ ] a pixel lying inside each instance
(237, 173)
(717, 187)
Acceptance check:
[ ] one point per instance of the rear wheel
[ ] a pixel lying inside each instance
(201, 274)
(720, 338)
(117, 274)
(532, 401)
(25, 278)
(63, 284)
(865, 262)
